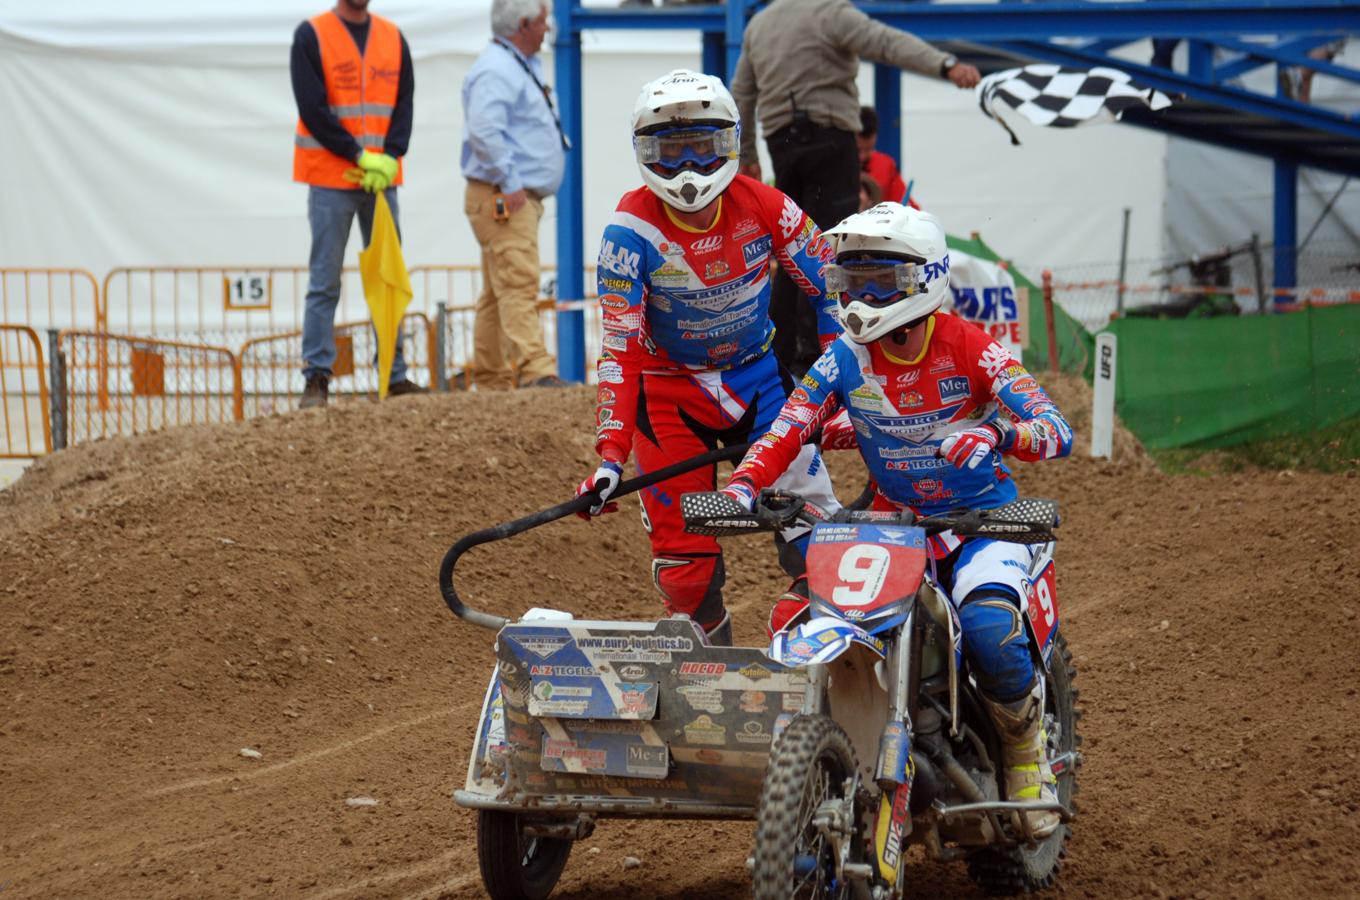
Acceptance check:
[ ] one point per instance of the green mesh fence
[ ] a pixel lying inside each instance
(1223, 381)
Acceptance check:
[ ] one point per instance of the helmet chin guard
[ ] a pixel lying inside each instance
(892, 269)
(684, 106)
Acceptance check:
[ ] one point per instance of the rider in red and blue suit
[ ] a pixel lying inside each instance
(933, 403)
(686, 366)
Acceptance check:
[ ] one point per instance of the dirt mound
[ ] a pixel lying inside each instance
(167, 601)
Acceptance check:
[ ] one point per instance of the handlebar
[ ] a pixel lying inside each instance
(1022, 521)
(578, 504)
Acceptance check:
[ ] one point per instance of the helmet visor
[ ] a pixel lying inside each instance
(877, 282)
(703, 148)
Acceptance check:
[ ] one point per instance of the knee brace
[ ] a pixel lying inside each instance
(994, 636)
(692, 585)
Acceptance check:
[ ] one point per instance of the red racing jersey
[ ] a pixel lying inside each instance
(683, 301)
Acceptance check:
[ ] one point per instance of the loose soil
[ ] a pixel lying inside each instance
(168, 600)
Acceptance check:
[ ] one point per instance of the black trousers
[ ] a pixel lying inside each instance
(818, 167)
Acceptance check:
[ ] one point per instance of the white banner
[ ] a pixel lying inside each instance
(985, 293)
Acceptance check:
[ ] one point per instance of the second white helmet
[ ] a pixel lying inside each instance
(687, 138)
(892, 269)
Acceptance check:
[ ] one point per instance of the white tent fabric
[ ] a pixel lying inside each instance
(154, 132)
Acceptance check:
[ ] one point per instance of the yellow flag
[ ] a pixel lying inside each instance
(387, 287)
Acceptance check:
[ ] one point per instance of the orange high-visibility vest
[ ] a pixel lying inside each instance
(361, 92)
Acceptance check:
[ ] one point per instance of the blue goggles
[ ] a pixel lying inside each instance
(874, 281)
(700, 147)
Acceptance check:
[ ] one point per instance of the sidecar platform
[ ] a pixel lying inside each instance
(626, 719)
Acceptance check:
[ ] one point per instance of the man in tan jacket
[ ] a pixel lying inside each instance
(799, 59)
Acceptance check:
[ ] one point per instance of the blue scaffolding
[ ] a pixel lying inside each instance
(1225, 39)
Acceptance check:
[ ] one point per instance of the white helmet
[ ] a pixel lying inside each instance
(892, 269)
(687, 138)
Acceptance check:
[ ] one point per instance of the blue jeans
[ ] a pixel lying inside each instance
(331, 213)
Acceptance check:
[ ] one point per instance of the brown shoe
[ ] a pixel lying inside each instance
(316, 393)
(405, 386)
(549, 381)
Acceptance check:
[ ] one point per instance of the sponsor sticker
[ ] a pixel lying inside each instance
(701, 697)
(645, 759)
(951, 389)
(716, 269)
(709, 669)
(757, 250)
(910, 400)
(541, 646)
(704, 730)
(789, 218)
(753, 702)
(619, 260)
(632, 673)
(754, 672)
(943, 364)
(610, 373)
(753, 732)
(994, 359)
(707, 244)
(573, 671)
(619, 285)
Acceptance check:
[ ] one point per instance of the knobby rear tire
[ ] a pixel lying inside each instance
(1021, 870)
(791, 794)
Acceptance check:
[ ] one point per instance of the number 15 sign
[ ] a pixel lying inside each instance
(247, 290)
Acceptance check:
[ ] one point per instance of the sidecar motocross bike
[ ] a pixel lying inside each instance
(892, 744)
(586, 720)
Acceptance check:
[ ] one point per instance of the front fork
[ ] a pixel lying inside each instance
(894, 770)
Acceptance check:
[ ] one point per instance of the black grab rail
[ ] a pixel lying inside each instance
(543, 517)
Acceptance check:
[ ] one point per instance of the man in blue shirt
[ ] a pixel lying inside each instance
(514, 152)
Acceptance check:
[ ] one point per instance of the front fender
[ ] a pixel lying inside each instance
(820, 640)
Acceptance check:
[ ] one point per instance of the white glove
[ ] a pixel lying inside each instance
(603, 483)
(965, 449)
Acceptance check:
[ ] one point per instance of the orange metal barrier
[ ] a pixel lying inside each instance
(216, 304)
(458, 287)
(122, 385)
(50, 298)
(25, 428)
(271, 366)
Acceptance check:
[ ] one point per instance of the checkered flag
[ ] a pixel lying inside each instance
(1064, 98)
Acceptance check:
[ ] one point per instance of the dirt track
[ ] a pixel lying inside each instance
(169, 600)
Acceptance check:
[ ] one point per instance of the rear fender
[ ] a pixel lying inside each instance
(486, 768)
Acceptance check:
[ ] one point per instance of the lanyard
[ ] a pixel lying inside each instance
(547, 92)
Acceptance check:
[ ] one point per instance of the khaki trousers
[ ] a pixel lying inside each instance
(507, 323)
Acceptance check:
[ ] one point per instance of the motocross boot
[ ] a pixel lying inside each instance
(720, 635)
(1025, 757)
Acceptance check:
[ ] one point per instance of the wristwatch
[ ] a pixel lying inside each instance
(948, 63)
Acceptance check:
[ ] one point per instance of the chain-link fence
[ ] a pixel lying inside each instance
(118, 385)
(1233, 280)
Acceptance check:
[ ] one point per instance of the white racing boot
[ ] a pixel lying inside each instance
(1025, 757)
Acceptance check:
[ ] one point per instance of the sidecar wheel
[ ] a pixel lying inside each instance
(514, 866)
(809, 765)
(1023, 870)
